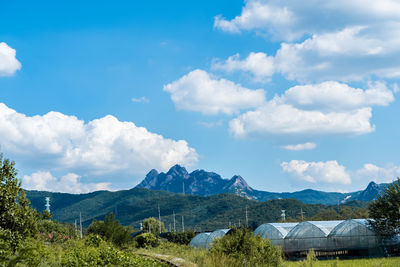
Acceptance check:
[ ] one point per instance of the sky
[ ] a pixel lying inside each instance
(288, 94)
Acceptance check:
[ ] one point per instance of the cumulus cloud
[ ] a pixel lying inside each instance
(329, 172)
(315, 109)
(333, 96)
(104, 145)
(274, 118)
(8, 61)
(289, 20)
(352, 39)
(199, 91)
(259, 65)
(69, 183)
(378, 174)
(298, 147)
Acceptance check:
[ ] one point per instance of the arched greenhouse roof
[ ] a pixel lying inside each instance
(352, 227)
(215, 234)
(274, 230)
(200, 240)
(312, 229)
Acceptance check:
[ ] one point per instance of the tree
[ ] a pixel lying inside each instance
(111, 230)
(17, 218)
(385, 210)
(152, 225)
(243, 245)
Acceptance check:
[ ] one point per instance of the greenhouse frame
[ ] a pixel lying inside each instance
(346, 238)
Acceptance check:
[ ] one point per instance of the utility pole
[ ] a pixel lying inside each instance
(80, 224)
(302, 214)
(183, 225)
(174, 223)
(239, 223)
(76, 227)
(159, 217)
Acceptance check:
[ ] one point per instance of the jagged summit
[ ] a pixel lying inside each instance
(199, 182)
(204, 183)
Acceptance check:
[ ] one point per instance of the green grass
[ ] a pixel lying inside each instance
(203, 258)
(373, 262)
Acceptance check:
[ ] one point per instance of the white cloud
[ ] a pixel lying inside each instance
(198, 91)
(8, 62)
(45, 181)
(289, 20)
(334, 96)
(352, 40)
(315, 109)
(258, 64)
(378, 174)
(275, 119)
(100, 146)
(329, 172)
(142, 99)
(298, 147)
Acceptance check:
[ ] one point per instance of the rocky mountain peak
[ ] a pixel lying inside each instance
(178, 171)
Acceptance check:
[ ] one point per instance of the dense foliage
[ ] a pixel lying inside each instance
(182, 238)
(17, 219)
(146, 240)
(244, 246)
(154, 226)
(111, 230)
(200, 213)
(385, 210)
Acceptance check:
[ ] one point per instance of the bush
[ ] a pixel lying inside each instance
(152, 225)
(146, 240)
(244, 246)
(182, 238)
(111, 230)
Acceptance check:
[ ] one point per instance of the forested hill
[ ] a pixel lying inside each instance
(199, 212)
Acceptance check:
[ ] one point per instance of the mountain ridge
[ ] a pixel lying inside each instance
(204, 183)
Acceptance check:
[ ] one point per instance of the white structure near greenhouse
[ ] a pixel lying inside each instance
(328, 238)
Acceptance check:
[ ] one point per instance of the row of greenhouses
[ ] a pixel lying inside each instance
(324, 236)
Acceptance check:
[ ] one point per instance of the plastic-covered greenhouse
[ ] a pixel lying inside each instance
(328, 238)
(275, 232)
(353, 234)
(215, 234)
(308, 235)
(200, 240)
(205, 240)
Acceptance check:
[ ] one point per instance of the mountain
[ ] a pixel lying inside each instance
(371, 192)
(199, 212)
(203, 183)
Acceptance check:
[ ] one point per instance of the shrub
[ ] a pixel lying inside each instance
(152, 225)
(111, 230)
(182, 238)
(146, 240)
(244, 246)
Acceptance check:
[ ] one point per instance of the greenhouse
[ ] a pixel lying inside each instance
(215, 234)
(205, 240)
(353, 234)
(200, 240)
(275, 232)
(308, 235)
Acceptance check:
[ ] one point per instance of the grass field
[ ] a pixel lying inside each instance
(375, 262)
(201, 257)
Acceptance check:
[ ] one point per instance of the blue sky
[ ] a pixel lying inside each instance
(290, 96)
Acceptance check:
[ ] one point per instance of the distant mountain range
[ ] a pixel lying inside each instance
(132, 206)
(203, 183)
